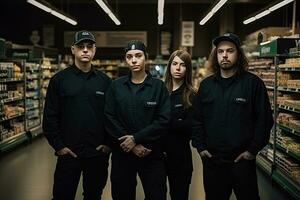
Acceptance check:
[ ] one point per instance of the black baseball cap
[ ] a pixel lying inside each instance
(135, 44)
(231, 37)
(84, 36)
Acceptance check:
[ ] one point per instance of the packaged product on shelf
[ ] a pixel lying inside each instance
(292, 103)
(285, 118)
(294, 124)
(291, 62)
(10, 111)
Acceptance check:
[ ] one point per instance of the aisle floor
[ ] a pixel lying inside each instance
(27, 174)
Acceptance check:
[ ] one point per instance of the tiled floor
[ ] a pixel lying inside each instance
(27, 174)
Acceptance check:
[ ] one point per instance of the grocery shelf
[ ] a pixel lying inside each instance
(12, 99)
(270, 87)
(264, 164)
(286, 183)
(286, 89)
(12, 117)
(288, 129)
(13, 141)
(36, 131)
(32, 108)
(288, 108)
(7, 80)
(289, 69)
(284, 167)
(289, 152)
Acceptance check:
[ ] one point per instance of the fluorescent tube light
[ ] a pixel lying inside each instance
(160, 10)
(213, 11)
(57, 14)
(206, 18)
(103, 6)
(262, 14)
(50, 9)
(247, 21)
(39, 5)
(114, 18)
(107, 10)
(280, 4)
(267, 11)
(71, 21)
(218, 6)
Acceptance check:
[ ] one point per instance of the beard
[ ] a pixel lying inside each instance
(227, 66)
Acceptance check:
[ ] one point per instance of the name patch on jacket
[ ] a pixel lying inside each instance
(240, 100)
(178, 105)
(99, 93)
(151, 103)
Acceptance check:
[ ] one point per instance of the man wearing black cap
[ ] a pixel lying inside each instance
(232, 122)
(73, 123)
(138, 111)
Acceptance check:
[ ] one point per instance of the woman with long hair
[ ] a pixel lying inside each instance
(178, 80)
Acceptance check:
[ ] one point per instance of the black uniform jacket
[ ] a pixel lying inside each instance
(145, 115)
(74, 110)
(233, 118)
(177, 138)
(180, 130)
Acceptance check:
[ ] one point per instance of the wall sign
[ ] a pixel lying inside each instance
(187, 33)
(109, 38)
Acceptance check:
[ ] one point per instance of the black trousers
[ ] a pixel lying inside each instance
(67, 175)
(179, 169)
(150, 169)
(220, 177)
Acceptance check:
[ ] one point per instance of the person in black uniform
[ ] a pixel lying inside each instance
(179, 165)
(137, 110)
(73, 123)
(233, 119)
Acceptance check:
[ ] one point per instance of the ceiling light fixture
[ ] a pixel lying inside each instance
(267, 11)
(108, 11)
(44, 5)
(160, 10)
(212, 11)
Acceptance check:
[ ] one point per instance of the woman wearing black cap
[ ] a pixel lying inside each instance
(179, 164)
(137, 111)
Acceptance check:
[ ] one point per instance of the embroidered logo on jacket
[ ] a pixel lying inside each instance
(178, 105)
(99, 92)
(151, 103)
(241, 100)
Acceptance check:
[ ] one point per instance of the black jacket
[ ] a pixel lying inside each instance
(179, 133)
(177, 138)
(230, 119)
(145, 115)
(74, 110)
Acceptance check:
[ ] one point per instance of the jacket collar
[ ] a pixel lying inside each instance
(147, 81)
(77, 71)
(217, 77)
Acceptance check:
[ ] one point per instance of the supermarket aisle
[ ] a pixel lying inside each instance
(26, 174)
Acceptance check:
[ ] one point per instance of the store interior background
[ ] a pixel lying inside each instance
(19, 19)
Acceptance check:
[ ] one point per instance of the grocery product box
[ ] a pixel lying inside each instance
(278, 46)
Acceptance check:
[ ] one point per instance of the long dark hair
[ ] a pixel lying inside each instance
(241, 64)
(188, 90)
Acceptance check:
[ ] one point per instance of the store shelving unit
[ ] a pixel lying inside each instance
(281, 158)
(49, 67)
(12, 104)
(38, 73)
(24, 77)
(109, 67)
(33, 97)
